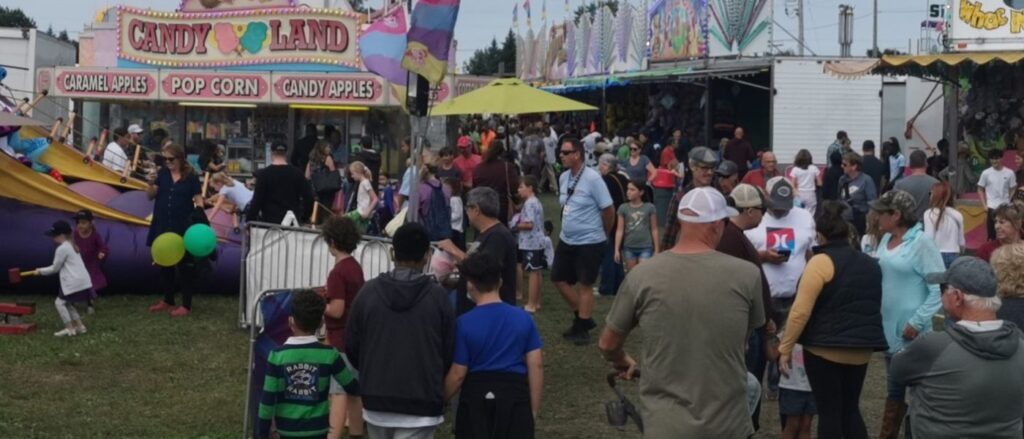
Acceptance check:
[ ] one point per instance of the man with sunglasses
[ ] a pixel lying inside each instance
(702, 167)
(587, 218)
(857, 190)
(965, 381)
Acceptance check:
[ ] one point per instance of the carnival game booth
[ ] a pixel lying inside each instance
(982, 75)
(784, 103)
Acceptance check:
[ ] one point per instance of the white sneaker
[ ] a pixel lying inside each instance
(65, 333)
(80, 330)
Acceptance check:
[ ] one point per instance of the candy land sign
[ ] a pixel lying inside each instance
(239, 38)
(348, 89)
(986, 25)
(117, 84)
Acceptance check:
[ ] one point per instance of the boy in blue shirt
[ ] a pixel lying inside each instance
(497, 362)
(299, 374)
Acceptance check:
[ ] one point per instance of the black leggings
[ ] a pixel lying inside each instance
(183, 277)
(836, 388)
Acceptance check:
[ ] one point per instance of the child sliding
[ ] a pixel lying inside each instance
(75, 284)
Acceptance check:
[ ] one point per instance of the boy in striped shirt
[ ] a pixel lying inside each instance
(298, 376)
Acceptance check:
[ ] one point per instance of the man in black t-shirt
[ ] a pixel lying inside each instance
(303, 146)
(280, 188)
(482, 207)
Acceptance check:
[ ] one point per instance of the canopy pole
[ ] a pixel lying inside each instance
(951, 93)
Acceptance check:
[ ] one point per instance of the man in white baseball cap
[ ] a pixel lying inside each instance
(684, 291)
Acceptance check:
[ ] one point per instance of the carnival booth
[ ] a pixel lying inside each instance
(983, 80)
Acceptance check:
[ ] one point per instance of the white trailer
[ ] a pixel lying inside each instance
(810, 105)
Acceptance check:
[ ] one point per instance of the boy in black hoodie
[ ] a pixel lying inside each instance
(400, 337)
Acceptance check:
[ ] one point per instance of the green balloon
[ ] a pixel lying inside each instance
(168, 249)
(200, 240)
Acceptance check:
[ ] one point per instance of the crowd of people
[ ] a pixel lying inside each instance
(787, 280)
(825, 268)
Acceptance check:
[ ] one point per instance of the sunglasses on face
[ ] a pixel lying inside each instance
(170, 159)
(634, 149)
(566, 152)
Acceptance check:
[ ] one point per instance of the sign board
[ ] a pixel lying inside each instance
(466, 84)
(231, 5)
(332, 89)
(104, 83)
(213, 86)
(238, 38)
(986, 25)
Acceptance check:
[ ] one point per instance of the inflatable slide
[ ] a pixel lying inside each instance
(31, 201)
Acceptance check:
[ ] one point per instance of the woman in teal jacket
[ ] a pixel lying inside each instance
(906, 256)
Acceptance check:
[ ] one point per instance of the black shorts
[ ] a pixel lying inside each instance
(578, 263)
(532, 260)
(796, 403)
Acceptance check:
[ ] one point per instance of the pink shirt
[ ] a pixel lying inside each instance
(467, 165)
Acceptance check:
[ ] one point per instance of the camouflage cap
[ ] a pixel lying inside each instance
(896, 201)
(704, 156)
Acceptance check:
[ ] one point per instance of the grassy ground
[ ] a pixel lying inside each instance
(137, 375)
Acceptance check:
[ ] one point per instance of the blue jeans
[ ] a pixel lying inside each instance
(756, 362)
(662, 198)
(894, 391)
(640, 254)
(948, 258)
(611, 273)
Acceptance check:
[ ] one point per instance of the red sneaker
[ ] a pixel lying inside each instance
(160, 306)
(181, 311)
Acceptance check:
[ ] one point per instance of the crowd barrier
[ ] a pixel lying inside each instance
(276, 257)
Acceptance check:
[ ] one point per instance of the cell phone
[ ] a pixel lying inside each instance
(784, 252)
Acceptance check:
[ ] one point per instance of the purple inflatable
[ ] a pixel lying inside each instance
(129, 268)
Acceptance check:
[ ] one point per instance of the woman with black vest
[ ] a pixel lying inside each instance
(837, 318)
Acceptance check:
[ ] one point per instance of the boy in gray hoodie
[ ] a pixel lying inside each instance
(967, 381)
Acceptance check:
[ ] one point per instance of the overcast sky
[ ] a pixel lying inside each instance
(480, 20)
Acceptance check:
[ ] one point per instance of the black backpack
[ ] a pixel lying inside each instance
(438, 217)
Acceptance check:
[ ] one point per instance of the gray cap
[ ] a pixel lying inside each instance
(968, 274)
(727, 168)
(703, 155)
(780, 193)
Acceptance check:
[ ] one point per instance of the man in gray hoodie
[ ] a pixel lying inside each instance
(967, 381)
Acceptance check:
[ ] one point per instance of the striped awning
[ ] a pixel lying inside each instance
(946, 66)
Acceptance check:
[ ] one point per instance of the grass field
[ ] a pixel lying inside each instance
(139, 375)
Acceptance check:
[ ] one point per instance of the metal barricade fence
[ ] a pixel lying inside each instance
(276, 257)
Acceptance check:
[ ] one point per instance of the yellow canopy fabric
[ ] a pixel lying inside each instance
(72, 164)
(19, 182)
(952, 59)
(508, 96)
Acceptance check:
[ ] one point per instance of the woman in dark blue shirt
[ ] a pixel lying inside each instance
(176, 192)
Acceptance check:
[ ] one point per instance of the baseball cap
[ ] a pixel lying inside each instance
(898, 201)
(280, 147)
(780, 193)
(59, 228)
(727, 168)
(969, 274)
(747, 196)
(84, 214)
(134, 129)
(464, 142)
(707, 204)
(703, 155)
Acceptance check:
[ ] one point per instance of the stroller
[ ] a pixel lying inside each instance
(621, 410)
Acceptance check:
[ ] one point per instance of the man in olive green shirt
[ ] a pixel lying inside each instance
(697, 307)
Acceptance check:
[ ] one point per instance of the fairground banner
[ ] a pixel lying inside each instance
(239, 38)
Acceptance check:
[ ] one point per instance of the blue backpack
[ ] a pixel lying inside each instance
(438, 218)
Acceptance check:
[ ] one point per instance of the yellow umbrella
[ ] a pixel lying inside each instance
(508, 96)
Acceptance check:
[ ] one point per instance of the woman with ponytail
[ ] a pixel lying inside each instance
(944, 224)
